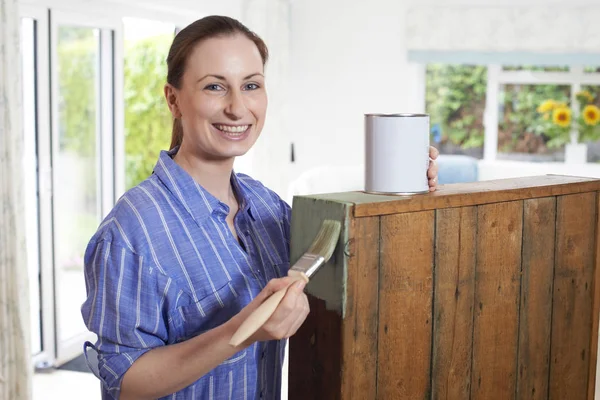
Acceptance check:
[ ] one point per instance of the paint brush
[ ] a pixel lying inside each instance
(319, 252)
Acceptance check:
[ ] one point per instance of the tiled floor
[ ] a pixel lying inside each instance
(65, 385)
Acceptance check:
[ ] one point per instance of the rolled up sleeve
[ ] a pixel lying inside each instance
(124, 308)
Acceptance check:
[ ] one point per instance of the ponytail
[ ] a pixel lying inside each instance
(177, 135)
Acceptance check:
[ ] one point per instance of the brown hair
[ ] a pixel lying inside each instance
(188, 38)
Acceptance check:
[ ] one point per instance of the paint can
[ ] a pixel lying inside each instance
(396, 153)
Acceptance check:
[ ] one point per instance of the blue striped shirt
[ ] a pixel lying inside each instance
(164, 267)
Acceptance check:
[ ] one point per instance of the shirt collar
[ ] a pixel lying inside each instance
(198, 202)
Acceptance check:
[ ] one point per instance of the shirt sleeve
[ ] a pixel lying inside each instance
(124, 308)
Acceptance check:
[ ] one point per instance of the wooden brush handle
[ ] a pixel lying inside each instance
(262, 314)
(258, 317)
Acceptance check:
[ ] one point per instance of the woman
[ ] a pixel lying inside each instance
(187, 255)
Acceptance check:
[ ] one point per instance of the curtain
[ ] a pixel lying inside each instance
(15, 360)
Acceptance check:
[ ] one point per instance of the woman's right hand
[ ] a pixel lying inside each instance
(288, 316)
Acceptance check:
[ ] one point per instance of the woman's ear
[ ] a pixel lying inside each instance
(171, 94)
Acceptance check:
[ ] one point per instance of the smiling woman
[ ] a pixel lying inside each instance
(185, 257)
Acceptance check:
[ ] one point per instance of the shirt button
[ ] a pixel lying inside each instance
(263, 354)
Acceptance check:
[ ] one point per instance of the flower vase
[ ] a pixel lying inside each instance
(575, 153)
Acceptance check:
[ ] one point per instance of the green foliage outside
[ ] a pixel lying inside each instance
(147, 118)
(518, 125)
(78, 107)
(148, 121)
(455, 99)
(77, 103)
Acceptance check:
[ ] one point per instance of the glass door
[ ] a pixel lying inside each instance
(82, 163)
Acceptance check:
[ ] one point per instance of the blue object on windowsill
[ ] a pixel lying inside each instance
(436, 133)
(455, 168)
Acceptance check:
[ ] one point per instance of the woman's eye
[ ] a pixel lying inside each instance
(251, 86)
(214, 87)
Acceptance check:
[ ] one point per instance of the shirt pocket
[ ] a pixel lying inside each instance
(208, 312)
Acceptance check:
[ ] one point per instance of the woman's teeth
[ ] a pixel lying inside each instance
(233, 130)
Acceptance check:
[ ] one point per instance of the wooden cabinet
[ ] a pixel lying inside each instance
(485, 290)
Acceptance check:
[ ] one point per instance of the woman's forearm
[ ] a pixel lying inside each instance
(168, 369)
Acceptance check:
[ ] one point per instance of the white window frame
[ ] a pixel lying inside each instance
(42, 72)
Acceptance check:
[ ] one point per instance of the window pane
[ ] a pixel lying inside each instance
(520, 129)
(31, 177)
(536, 68)
(455, 101)
(76, 164)
(148, 121)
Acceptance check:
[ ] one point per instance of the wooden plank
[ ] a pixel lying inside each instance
(572, 300)
(405, 306)
(454, 285)
(495, 325)
(595, 308)
(465, 194)
(536, 298)
(360, 329)
(316, 349)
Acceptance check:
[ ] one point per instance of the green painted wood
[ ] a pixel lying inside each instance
(316, 350)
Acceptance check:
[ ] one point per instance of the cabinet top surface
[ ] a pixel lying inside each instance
(464, 194)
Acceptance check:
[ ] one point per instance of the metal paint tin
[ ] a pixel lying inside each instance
(397, 153)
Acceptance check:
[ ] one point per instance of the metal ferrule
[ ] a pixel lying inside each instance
(309, 264)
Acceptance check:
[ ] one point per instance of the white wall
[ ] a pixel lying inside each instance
(348, 59)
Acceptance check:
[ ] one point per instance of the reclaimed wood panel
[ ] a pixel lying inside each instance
(572, 304)
(405, 306)
(595, 308)
(360, 331)
(535, 321)
(454, 287)
(495, 325)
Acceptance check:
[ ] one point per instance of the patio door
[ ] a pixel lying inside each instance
(82, 153)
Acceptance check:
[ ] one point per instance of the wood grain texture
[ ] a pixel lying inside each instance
(405, 306)
(454, 286)
(595, 308)
(465, 194)
(572, 304)
(360, 325)
(495, 325)
(535, 321)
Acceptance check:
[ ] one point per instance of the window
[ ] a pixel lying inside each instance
(456, 97)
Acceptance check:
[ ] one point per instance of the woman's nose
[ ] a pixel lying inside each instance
(236, 106)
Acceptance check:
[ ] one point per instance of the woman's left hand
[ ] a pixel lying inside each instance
(432, 171)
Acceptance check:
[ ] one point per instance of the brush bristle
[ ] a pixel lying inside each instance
(326, 239)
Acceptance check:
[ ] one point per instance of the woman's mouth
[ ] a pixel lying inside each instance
(233, 132)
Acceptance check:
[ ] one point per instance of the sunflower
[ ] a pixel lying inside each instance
(591, 114)
(561, 116)
(585, 95)
(546, 106)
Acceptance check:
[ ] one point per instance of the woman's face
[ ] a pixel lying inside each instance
(222, 101)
